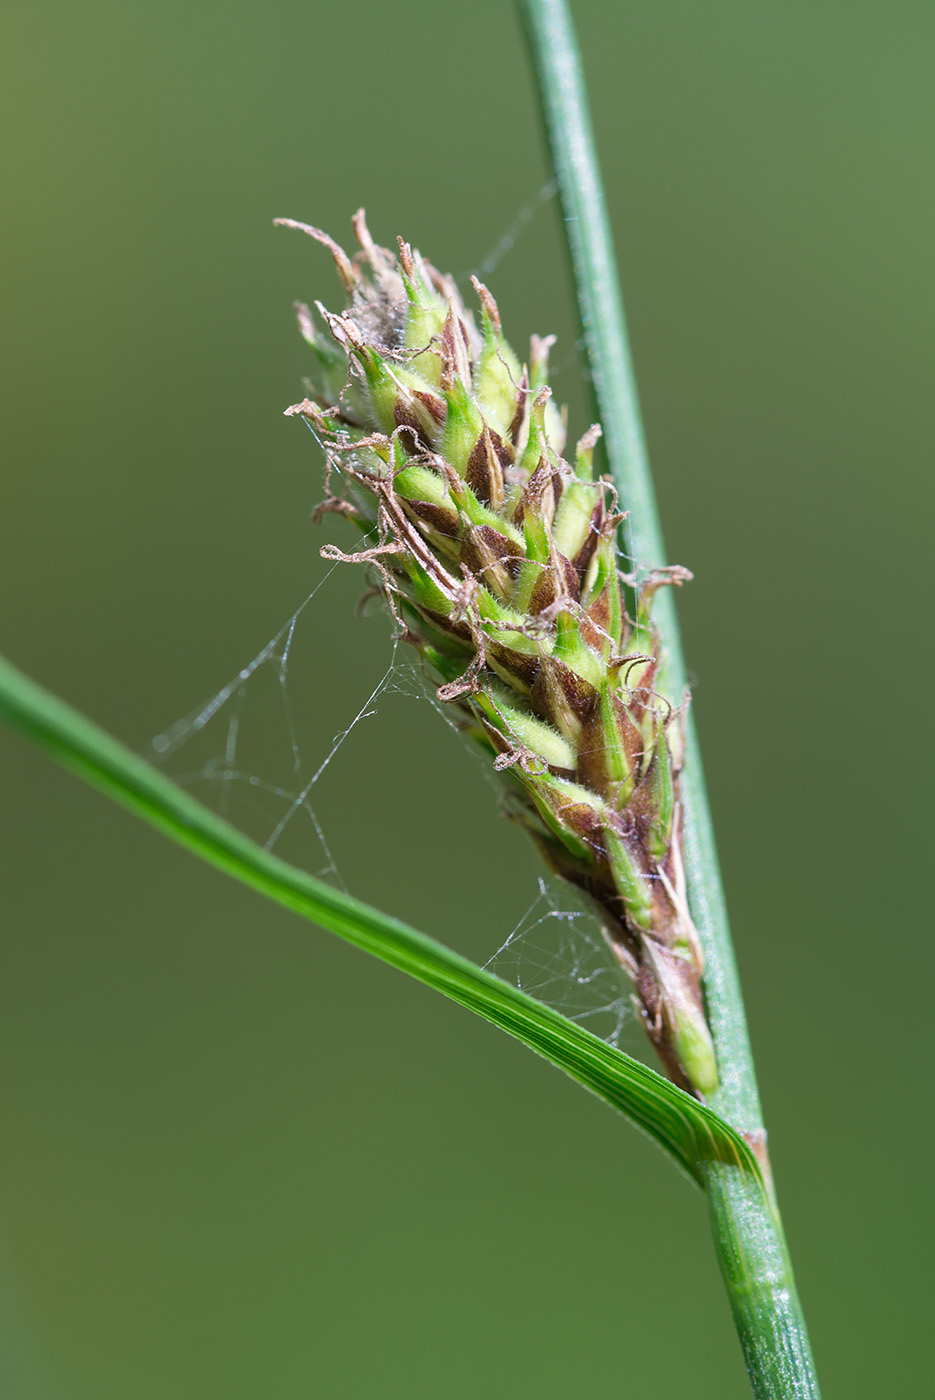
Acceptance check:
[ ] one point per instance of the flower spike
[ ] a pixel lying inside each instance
(499, 562)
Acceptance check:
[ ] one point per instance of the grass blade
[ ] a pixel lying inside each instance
(692, 1134)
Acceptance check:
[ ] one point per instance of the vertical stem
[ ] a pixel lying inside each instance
(748, 1234)
(567, 121)
(757, 1274)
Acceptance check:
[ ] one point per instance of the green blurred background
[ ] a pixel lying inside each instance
(240, 1159)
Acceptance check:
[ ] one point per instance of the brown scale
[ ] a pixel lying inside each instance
(490, 557)
(485, 466)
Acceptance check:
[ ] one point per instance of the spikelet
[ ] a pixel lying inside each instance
(498, 559)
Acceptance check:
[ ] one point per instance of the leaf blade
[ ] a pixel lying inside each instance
(690, 1132)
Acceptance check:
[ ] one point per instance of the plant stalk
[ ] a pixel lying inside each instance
(748, 1234)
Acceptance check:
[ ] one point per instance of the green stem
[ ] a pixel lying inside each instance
(750, 1243)
(757, 1274)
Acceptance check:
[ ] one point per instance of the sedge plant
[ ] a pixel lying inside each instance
(497, 548)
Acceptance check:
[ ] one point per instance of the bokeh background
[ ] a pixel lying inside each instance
(239, 1158)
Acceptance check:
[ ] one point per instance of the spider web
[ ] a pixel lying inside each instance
(557, 954)
(246, 755)
(270, 801)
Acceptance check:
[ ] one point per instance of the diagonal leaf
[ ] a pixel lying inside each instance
(690, 1132)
